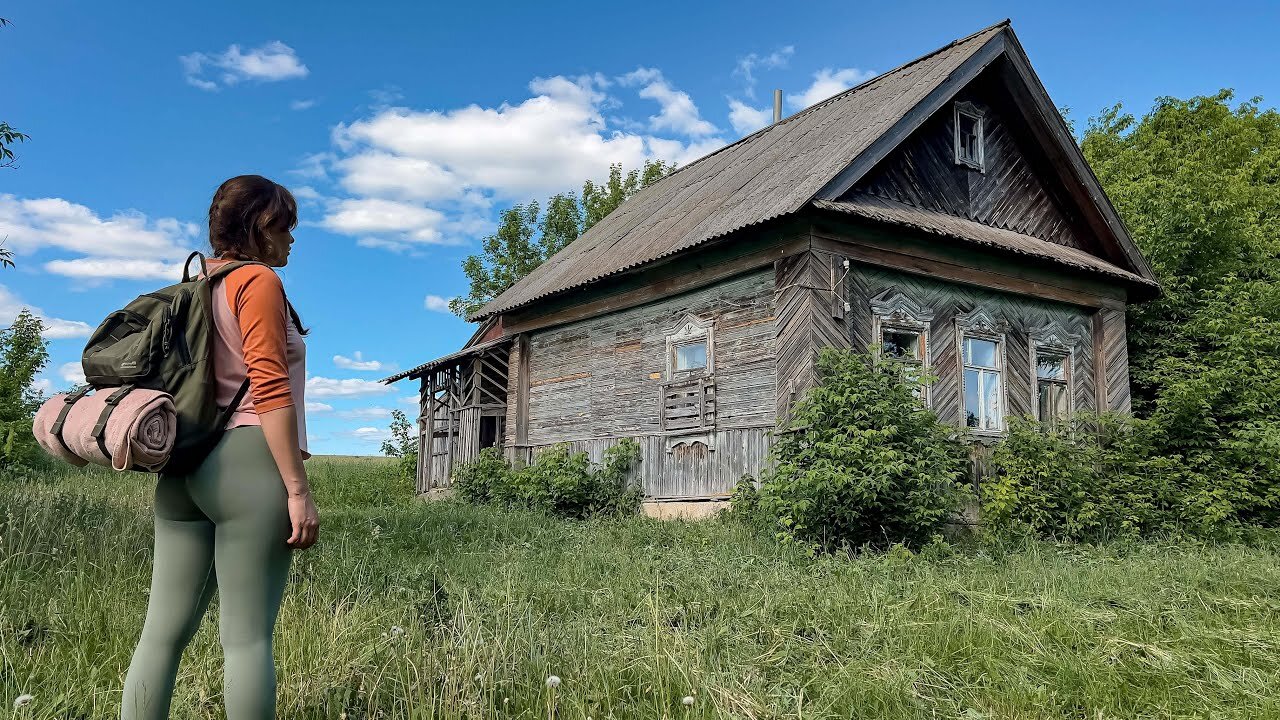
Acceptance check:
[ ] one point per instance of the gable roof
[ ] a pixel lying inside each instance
(817, 153)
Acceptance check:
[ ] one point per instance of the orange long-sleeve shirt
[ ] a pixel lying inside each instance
(257, 339)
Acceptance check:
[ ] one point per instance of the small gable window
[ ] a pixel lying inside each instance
(968, 140)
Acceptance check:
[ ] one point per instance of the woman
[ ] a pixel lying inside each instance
(234, 521)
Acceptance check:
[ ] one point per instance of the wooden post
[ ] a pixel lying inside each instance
(1099, 363)
(430, 456)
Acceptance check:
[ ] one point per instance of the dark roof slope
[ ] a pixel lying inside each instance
(772, 172)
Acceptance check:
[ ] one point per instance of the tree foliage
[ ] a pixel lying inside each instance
(402, 444)
(1198, 184)
(23, 353)
(8, 136)
(527, 236)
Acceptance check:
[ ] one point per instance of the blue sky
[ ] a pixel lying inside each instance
(405, 127)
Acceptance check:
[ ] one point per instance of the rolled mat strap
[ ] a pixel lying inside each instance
(68, 401)
(100, 430)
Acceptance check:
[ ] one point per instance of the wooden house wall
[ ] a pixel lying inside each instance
(948, 301)
(592, 382)
(1009, 193)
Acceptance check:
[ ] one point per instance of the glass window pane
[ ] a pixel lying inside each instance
(690, 356)
(979, 352)
(1053, 400)
(991, 400)
(901, 344)
(1051, 367)
(972, 410)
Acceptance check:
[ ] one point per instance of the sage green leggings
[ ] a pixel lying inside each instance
(225, 525)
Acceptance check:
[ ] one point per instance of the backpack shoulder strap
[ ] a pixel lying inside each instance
(228, 267)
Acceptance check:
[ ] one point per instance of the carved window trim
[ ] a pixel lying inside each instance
(1053, 340)
(972, 112)
(894, 310)
(981, 325)
(691, 330)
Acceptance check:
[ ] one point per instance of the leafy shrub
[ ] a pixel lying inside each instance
(860, 461)
(403, 445)
(558, 482)
(1094, 477)
(478, 481)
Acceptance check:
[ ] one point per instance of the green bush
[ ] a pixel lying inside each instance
(558, 482)
(1091, 478)
(860, 461)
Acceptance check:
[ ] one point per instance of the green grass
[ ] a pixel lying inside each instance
(634, 615)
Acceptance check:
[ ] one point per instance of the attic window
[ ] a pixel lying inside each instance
(968, 141)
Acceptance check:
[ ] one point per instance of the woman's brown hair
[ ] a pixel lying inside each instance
(243, 208)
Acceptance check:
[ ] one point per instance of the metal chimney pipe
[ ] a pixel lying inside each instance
(777, 104)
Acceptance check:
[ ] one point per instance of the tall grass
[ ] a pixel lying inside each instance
(447, 610)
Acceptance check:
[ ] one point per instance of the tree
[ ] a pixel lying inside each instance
(1198, 184)
(8, 136)
(403, 444)
(526, 237)
(23, 353)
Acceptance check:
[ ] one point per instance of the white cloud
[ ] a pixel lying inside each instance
(268, 63)
(747, 65)
(435, 303)
(358, 362)
(368, 413)
(746, 119)
(419, 177)
(678, 112)
(302, 104)
(827, 82)
(322, 387)
(54, 328)
(126, 245)
(72, 372)
(317, 407)
(43, 386)
(408, 400)
(367, 434)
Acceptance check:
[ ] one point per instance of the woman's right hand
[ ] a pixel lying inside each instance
(305, 521)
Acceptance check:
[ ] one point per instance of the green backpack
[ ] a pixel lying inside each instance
(163, 340)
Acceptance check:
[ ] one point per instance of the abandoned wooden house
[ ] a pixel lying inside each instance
(941, 209)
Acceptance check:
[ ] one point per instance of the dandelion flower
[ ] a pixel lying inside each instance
(479, 677)
(553, 682)
(396, 630)
(688, 701)
(23, 700)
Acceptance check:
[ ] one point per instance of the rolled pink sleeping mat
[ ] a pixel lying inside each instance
(136, 434)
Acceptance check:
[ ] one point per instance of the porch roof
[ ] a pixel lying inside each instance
(447, 360)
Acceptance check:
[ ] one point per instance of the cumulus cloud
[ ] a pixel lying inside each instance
(269, 63)
(367, 413)
(746, 119)
(302, 104)
(367, 434)
(322, 387)
(678, 112)
(747, 65)
(318, 407)
(127, 244)
(828, 82)
(357, 362)
(72, 372)
(54, 328)
(408, 400)
(410, 178)
(435, 303)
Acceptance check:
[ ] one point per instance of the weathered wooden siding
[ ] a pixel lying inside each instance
(1114, 351)
(1010, 193)
(594, 381)
(1020, 315)
(811, 315)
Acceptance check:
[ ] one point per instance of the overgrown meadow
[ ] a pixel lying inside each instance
(448, 610)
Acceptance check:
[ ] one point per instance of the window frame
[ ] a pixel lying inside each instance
(689, 331)
(1057, 351)
(895, 311)
(981, 326)
(971, 111)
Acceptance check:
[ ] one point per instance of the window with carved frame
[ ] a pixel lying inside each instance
(688, 394)
(968, 136)
(982, 348)
(901, 327)
(1052, 372)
